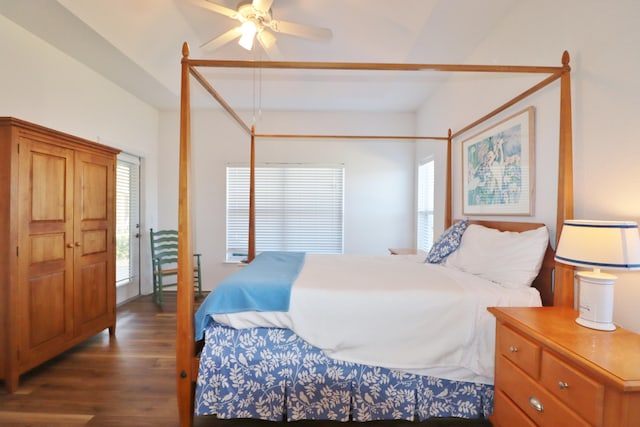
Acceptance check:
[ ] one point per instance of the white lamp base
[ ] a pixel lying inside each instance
(596, 325)
(596, 300)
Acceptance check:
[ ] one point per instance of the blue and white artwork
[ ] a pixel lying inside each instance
(497, 172)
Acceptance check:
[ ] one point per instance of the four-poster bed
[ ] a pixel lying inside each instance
(560, 293)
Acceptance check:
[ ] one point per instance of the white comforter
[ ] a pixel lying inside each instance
(395, 312)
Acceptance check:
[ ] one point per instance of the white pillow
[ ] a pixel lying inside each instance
(511, 259)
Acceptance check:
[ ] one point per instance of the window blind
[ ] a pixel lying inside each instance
(425, 205)
(298, 208)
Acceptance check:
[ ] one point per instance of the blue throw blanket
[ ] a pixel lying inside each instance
(263, 285)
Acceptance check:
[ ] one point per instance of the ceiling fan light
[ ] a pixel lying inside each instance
(248, 30)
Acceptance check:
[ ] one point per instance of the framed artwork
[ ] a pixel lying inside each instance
(498, 168)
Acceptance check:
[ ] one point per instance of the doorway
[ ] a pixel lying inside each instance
(127, 227)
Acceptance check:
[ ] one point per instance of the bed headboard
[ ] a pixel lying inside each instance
(544, 282)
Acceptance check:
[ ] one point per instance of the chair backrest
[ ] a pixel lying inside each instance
(164, 247)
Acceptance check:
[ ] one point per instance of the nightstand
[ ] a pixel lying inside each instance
(403, 251)
(550, 371)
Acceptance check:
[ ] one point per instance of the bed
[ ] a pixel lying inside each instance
(334, 345)
(272, 367)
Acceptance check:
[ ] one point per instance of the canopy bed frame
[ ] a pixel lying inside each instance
(558, 293)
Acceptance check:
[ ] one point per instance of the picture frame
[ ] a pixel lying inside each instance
(498, 169)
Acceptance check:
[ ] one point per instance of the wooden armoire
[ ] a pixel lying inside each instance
(57, 244)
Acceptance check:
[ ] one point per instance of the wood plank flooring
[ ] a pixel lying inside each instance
(127, 381)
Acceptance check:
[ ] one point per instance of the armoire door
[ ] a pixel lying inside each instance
(94, 236)
(45, 252)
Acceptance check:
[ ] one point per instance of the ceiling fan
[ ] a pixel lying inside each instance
(256, 22)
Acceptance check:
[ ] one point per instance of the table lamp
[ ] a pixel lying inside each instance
(608, 245)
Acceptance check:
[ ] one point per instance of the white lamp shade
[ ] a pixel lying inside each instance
(600, 244)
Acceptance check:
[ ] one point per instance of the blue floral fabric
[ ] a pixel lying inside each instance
(272, 374)
(447, 243)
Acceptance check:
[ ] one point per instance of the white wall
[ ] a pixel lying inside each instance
(603, 40)
(379, 175)
(40, 84)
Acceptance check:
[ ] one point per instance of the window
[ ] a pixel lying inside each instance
(298, 208)
(127, 219)
(425, 204)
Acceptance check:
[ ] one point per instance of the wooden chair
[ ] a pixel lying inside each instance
(164, 260)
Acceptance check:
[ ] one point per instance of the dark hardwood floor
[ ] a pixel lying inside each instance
(126, 381)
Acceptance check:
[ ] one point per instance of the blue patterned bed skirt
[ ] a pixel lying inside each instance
(272, 374)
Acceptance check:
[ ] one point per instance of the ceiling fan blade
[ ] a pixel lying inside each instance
(266, 39)
(218, 8)
(301, 30)
(263, 5)
(223, 39)
(269, 45)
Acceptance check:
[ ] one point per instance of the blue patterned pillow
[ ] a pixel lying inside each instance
(447, 243)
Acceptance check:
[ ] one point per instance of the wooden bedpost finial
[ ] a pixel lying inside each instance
(449, 134)
(185, 50)
(565, 58)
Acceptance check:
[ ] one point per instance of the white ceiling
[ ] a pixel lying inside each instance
(137, 44)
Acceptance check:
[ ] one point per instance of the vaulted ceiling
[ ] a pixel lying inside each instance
(137, 44)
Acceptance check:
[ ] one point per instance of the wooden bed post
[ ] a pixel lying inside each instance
(564, 279)
(448, 197)
(185, 344)
(252, 198)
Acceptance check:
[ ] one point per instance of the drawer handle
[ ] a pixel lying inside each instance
(563, 385)
(535, 403)
(513, 349)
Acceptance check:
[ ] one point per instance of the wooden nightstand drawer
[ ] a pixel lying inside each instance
(509, 413)
(574, 388)
(532, 398)
(521, 351)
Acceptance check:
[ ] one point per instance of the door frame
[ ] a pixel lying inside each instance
(132, 289)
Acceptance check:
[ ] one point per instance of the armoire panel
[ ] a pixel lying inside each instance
(48, 184)
(47, 308)
(47, 248)
(94, 302)
(94, 178)
(94, 241)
